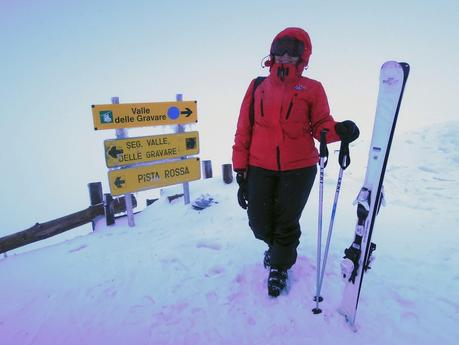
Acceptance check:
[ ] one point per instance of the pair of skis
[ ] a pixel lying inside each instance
(358, 256)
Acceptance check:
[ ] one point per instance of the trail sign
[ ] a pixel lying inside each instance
(139, 178)
(111, 116)
(123, 152)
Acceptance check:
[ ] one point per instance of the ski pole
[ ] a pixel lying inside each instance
(323, 154)
(344, 161)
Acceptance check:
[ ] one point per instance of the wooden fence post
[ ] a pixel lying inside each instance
(227, 172)
(207, 168)
(109, 214)
(95, 196)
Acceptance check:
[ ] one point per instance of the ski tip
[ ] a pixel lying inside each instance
(404, 64)
(394, 64)
(406, 67)
(393, 73)
(390, 64)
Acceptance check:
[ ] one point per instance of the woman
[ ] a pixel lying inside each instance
(274, 154)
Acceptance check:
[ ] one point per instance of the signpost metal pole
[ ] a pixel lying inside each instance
(181, 129)
(121, 133)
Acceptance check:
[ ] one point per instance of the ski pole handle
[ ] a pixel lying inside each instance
(344, 158)
(323, 151)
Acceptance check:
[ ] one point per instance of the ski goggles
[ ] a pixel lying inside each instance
(289, 45)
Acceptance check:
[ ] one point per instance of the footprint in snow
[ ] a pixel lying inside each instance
(427, 169)
(215, 270)
(83, 246)
(212, 297)
(403, 302)
(139, 313)
(409, 316)
(209, 245)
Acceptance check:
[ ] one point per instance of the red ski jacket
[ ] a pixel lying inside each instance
(290, 111)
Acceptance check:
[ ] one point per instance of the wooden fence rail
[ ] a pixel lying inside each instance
(54, 227)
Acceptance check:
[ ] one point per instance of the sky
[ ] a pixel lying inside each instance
(57, 58)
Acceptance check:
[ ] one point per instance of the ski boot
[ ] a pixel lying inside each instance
(267, 259)
(277, 281)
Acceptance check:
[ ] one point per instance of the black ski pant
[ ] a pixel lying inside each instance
(275, 202)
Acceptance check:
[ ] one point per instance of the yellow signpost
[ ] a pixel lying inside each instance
(130, 180)
(112, 116)
(123, 152)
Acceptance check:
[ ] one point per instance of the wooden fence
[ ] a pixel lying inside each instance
(101, 205)
(57, 226)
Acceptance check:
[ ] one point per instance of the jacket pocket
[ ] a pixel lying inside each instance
(293, 130)
(298, 111)
(296, 118)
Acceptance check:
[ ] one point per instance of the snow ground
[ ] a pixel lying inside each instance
(183, 276)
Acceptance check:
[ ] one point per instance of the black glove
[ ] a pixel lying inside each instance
(347, 131)
(241, 179)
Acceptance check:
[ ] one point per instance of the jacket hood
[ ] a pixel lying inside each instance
(300, 35)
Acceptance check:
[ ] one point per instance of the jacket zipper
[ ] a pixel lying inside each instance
(290, 106)
(278, 158)
(261, 108)
(289, 109)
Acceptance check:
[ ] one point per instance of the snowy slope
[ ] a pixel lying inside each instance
(196, 277)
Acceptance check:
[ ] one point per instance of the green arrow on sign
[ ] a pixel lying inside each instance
(119, 182)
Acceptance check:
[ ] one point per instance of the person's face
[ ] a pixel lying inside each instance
(286, 59)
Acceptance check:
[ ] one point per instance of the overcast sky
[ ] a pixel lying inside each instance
(59, 57)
